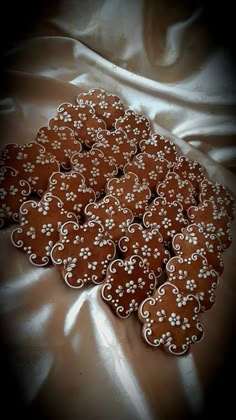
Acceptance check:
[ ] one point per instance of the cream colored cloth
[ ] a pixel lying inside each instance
(72, 354)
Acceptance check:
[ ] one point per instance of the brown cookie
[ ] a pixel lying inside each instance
(150, 170)
(106, 105)
(130, 192)
(193, 275)
(136, 126)
(218, 194)
(213, 219)
(40, 223)
(160, 147)
(148, 244)
(168, 325)
(81, 119)
(166, 216)
(115, 146)
(128, 282)
(13, 192)
(191, 170)
(173, 188)
(194, 239)
(31, 163)
(60, 143)
(70, 187)
(82, 253)
(95, 168)
(114, 218)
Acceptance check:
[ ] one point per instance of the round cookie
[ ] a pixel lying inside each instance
(170, 320)
(173, 188)
(194, 239)
(40, 223)
(115, 146)
(106, 105)
(60, 143)
(130, 192)
(71, 189)
(166, 216)
(114, 218)
(193, 275)
(160, 147)
(95, 168)
(128, 282)
(82, 253)
(148, 244)
(13, 192)
(149, 169)
(136, 126)
(81, 119)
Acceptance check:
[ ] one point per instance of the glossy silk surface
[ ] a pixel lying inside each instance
(70, 353)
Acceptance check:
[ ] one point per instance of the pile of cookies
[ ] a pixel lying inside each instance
(109, 202)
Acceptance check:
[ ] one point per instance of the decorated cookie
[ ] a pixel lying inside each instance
(114, 218)
(40, 223)
(218, 194)
(106, 105)
(149, 169)
(115, 146)
(160, 147)
(81, 119)
(136, 126)
(60, 143)
(147, 243)
(194, 239)
(173, 188)
(95, 168)
(82, 253)
(170, 319)
(13, 192)
(193, 275)
(213, 219)
(130, 192)
(189, 169)
(70, 187)
(128, 282)
(166, 216)
(31, 163)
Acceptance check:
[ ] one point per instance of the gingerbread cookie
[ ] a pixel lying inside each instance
(149, 169)
(95, 168)
(106, 105)
(114, 218)
(189, 169)
(193, 275)
(60, 143)
(13, 192)
(148, 244)
(81, 119)
(194, 239)
(166, 216)
(128, 282)
(31, 163)
(173, 188)
(136, 126)
(170, 320)
(218, 194)
(213, 219)
(130, 192)
(70, 187)
(160, 147)
(115, 146)
(40, 223)
(82, 253)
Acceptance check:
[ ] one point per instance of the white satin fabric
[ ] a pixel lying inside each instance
(72, 355)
